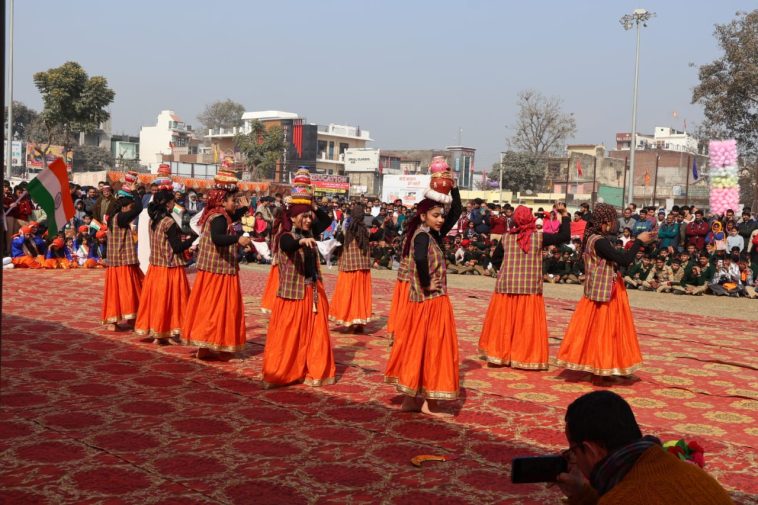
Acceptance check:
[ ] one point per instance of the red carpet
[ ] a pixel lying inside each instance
(92, 417)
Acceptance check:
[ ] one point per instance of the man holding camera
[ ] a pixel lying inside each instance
(611, 462)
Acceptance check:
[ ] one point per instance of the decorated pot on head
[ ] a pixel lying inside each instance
(225, 179)
(131, 178)
(441, 182)
(301, 192)
(164, 183)
(164, 170)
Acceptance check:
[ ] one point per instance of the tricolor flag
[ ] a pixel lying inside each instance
(50, 190)
(694, 168)
(96, 225)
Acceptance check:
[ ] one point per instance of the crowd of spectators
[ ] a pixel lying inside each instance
(695, 253)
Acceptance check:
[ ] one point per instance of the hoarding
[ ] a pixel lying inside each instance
(17, 159)
(330, 185)
(362, 160)
(408, 188)
(34, 158)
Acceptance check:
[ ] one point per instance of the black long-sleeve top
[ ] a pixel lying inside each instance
(174, 236)
(561, 237)
(125, 218)
(421, 242)
(219, 234)
(607, 251)
(290, 244)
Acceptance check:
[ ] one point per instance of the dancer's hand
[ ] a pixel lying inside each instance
(308, 242)
(434, 286)
(560, 208)
(646, 237)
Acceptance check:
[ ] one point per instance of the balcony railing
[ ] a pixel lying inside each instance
(344, 131)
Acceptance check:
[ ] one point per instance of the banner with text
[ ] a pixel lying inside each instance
(330, 185)
(408, 188)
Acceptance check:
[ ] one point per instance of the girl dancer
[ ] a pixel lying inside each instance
(423, 364)
(123, 277)
(601, 338)
(515, 329)
(297, 343)
(351, 303)
(165, 290)
(272, 282)
(215, 317)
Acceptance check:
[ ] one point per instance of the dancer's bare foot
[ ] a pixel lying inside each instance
(161, 341)
(410, 404)
(356, 328)
(111, 327)
(431, 408)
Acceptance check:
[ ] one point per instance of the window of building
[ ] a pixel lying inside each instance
(331, 150)
(344, 147)
(321, 147)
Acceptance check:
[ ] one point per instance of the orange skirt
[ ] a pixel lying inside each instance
(163, 302)
(515, 332)
(351, 303)
(424, 358)
(53, 263)
(297, 343)
(123, 286)
(601, 338)
(91, 263)
(215, 315)
(269, 292)
(399, 303)
(28, 262)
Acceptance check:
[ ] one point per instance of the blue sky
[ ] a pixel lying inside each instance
(412, 72)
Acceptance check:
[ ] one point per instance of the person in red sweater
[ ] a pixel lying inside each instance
(697, 230)
(610, 462)
(497, 224)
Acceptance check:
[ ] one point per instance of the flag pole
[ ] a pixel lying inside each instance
(655, 181)
(594, 180)
(568, 171)
(623, 187)
(687, 187)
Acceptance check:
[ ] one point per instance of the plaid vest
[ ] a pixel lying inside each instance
(161, 254)
(404, 272)
(437, 270)
(292, 279)
(121, 249)
(521, 272)
(598, 285)
(213, 258)
(353, 258)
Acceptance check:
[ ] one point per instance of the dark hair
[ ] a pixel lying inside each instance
(157, 208)
(356, 230)
(121, 202)
(602, 417)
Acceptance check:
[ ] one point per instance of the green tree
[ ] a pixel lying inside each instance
(221, 114)
(521, 172)
(23, 117)
(262, 149)
(728, 92)
(73, 102)
(91, 158)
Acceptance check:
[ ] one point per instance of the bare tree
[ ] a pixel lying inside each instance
(542, 127)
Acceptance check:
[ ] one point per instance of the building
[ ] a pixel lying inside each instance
(664, 138)
(318, 147)
(170, 136)
(417, 161)
(125, 150)
(101, 137)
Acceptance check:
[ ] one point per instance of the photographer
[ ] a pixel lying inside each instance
(611, 462)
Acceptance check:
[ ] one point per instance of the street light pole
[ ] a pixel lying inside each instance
(628, 21)
(9, 152)
(500, 201)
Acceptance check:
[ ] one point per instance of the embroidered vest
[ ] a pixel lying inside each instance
(404, 272)
(521, 272)
(353, 258)
(213, 258)
(437, 270)
(600, 273)
(121, 249)
(292, 279)
(161, 254)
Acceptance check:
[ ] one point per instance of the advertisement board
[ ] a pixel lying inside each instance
(362, 160)
(330, 185)
(34, 156)
(17, 159)
(408, 188)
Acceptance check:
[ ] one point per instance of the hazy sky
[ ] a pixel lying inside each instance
(412, 72)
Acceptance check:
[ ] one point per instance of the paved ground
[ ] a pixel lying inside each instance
(92, 417)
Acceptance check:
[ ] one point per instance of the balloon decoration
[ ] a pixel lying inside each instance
(724, 187)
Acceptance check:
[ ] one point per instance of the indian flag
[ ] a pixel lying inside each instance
(96, 225)
(50, 190)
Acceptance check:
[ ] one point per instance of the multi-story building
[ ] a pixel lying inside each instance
(169, 136)
(664, 138)
(125, 150)
(417, 161)
(318, 147)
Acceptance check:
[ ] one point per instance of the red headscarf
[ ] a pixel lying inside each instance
(525, 226)
(215, 207)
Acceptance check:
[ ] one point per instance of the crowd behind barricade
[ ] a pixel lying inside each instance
(695, 252)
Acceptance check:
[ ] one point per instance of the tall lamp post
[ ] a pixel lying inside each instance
(629, 21)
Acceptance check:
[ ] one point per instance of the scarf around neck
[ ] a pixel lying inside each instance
(611, 470)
